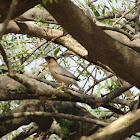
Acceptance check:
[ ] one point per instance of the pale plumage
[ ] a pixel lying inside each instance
(60, 73)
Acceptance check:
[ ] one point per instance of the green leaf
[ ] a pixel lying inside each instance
(106, 7)
(96, 13)
(28, 36)
(52, 97)
(103, 11)
(56, 51)
(79, 71)
(43, 65)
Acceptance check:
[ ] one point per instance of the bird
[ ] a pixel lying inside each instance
(61, 74)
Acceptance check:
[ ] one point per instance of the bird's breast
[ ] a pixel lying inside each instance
(61, 78)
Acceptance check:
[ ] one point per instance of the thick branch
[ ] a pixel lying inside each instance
(37, 13)
(13, 125)
(39, 88)
(119, 129)
(6, 95)
(34, 128)
(123, 61)
(9, 16)
(42, 89)
(117, 92)
(44, 122)
(57, 115)
(46, 33)
(21, 7)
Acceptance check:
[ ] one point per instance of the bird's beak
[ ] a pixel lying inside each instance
(43, 56)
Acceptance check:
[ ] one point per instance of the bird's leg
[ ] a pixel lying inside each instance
(63, 84)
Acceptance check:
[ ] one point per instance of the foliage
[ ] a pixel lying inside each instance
(20, 49)
(66, 127)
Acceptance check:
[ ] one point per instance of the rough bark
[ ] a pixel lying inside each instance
(22, 6)
(95, 45)
(46, 33)
(122, 60)
(44, 123)
(119, 129)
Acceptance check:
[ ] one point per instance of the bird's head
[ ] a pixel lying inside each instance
(50, 59)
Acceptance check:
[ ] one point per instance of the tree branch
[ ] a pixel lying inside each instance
(42, 89)
(21, 7)
(117, 92)
(110, 51)
(13, 125)
(57, 115)
(125, 13)
(31, 130)
(45, 122)
(9, 15)
(6, 60)
(6, 95)
(46, 33)
(35, 14)
(119, 128)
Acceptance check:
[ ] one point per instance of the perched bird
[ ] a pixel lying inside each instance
(60, 73)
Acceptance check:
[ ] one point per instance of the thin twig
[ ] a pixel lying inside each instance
(125, 13)
(98, 81)
(117, 92)
(36, 48)
(6, 60)
(90, 2)
(88, 77)
(125, 25)
(41, 44)
(85, 69)
(94, 80)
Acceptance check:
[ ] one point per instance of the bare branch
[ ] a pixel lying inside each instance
(127, 123)
(29, 131)
(121, 101)
(125, 25)
(6, 95)
(57, 115)
(110, 15)
(125, 13)
(48, 34)
(42, 89)
(35, 14)
(98, 81)
(10, 13)
(117, 92)
(106, 51)
(118, 30)
(6, 60)
(137, 22)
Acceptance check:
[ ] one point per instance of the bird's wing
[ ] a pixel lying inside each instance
(60, 70)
